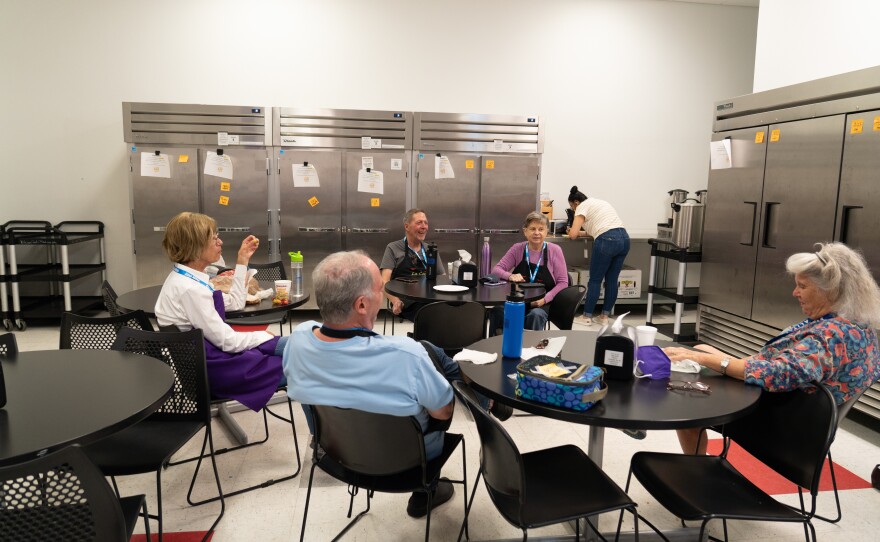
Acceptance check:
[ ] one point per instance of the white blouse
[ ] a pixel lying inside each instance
(188, 304)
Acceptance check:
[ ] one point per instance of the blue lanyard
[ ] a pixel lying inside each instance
(423, 259)
(195, 278)
(791, 329)
(533, 274)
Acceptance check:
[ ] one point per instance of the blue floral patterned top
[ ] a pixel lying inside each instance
(832, 350)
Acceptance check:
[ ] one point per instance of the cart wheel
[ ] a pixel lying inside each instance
(7, 324)
(21, 325)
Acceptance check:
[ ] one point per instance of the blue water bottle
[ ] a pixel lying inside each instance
(514, 320)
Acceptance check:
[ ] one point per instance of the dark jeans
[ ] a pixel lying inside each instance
(609, 252)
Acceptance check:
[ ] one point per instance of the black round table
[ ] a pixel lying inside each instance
(423, 290)
(145, 299)
(636, 404)
(60, 397)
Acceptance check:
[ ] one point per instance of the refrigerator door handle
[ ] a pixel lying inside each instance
(500, 231)
(844, 221)
(771, 208)
(453, 230)
(317, 229)
(369, 230)
(245, 229)
(750, 240)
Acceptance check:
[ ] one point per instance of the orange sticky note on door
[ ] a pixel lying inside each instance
(224, 200)
(224, 187)
(490, 164)
(313, 201)
(469, 164)
(774, 135)
(183, 158)
(856, 126)
(374, 202)
(759, 137)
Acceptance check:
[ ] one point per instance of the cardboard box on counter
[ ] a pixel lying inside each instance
(629, 283)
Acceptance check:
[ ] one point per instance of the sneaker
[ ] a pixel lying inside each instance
(418, 501)
(602, 319)
(583, 319)
(501, 411)
(638, 434)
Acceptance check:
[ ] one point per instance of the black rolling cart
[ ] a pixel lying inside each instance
(682, 294)
(50, 245)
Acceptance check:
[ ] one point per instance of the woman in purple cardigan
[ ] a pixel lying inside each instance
(533, 260)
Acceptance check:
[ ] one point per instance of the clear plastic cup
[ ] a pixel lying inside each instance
(646, 335)
(282, 292)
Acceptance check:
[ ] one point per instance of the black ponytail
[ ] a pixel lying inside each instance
(575, 195)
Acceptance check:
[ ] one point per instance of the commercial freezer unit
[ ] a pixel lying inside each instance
(476, 176)
(805, 168)
(343, 181)
(212, 159)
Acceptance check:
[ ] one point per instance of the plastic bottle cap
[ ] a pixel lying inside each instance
(295, 256)
(515, 295)
(486, 239)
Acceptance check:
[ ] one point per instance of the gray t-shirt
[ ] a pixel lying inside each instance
(397, 252)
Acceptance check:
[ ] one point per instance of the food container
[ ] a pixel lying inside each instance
(282, 292)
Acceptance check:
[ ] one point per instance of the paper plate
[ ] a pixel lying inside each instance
(450, 288)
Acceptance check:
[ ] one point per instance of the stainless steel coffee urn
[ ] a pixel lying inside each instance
(687, 225)
(664, 229)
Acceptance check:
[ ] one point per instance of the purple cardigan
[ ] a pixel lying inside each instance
(555, 263)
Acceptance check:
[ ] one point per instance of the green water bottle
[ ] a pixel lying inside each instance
(296, 273)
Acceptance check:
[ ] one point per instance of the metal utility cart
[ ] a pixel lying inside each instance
(55, 268)
(682, 294)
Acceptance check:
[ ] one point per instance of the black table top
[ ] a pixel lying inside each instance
(60, 397)
(637, 404)
(145, 299)
(423, 290)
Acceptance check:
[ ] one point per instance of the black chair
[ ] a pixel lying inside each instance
(565, 305)
(98, 332)
(63, 496)
(389, 313)
(789, 432)
(109, 295)
(148, 445)
(377, 452)
(449, 325)
(266, 272)
(543, 487)
(842, 411)
(8, 346)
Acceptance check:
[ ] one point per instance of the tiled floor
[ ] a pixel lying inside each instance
(275, 513)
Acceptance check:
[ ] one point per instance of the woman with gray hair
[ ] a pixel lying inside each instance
(836, 345)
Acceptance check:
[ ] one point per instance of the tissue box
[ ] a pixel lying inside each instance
(629, 283)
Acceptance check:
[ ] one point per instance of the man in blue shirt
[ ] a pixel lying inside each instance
(344, 363)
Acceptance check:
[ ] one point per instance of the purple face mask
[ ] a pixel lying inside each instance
(653, 363)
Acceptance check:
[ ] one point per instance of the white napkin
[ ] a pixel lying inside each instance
(552, 349)
(475, 357)
(685, 366)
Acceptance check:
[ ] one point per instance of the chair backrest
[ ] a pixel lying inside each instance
(451, 326)
(8, 346)
(98, 333)
(565, 304)
(60, 496)
(368, 443)
(500, 459)
(790, 432)
(109, 295)
(184, 352)
(269, 271)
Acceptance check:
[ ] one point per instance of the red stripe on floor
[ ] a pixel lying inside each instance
(194, 536)
(774, 484)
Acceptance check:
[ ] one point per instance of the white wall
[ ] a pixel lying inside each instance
(802, 40)
(625, 87)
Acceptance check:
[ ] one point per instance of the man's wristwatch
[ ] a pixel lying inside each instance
(724, 363)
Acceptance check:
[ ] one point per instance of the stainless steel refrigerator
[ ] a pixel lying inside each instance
(327, 200)
(176, 140)
(495, 163)
(805, 166)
